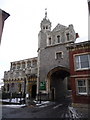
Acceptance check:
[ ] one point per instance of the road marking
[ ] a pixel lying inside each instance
(57, 106)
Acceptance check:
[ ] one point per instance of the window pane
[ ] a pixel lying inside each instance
(89, 86)
(89, 59)
(77, 58)
(81, 82)
(77, 66)
(84, 64)
(84, 61)
(77, 62)
(82, 89)
(84, 58)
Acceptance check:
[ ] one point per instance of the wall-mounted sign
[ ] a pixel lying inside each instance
(43, 85)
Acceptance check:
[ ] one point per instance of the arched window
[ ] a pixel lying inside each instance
(49, 41)
(67, 36)
(46, 27)
(58, 39)
(43, 27)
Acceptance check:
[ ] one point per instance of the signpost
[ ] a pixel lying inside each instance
(43, 85)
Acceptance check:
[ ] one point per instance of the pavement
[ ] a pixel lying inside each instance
(83, 112)
(45, 109)
(77, 112)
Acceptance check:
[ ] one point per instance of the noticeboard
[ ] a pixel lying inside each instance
(43, 85)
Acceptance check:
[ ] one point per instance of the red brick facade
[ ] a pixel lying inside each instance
(81, 74)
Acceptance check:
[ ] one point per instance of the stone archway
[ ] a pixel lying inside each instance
(57, 83)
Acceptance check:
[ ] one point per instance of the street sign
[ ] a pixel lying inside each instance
(43, 85)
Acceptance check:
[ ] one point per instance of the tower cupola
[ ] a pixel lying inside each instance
(45, 23)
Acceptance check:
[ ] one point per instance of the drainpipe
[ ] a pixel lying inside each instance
(28, 93)
(25, 91)
(37, 96)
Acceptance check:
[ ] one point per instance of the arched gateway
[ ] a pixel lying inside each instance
(53, 59)
(57, 83)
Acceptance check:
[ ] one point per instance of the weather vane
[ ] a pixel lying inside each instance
(45, 12)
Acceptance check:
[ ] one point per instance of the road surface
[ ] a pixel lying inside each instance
(52, 110)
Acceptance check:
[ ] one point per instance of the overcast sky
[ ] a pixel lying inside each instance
(20, 34)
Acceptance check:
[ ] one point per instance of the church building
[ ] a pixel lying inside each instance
(47, 75)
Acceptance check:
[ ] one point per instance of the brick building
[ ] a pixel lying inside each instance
(88, 19)
(80, 72)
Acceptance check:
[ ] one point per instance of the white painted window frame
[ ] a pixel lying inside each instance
(86, 85)
(75, 63)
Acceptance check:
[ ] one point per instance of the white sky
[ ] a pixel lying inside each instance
(20, 34)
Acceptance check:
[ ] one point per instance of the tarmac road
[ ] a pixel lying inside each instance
(52, 110)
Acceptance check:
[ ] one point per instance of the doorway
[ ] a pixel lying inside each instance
(58, 84)
(53, 94)
(33, 91)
